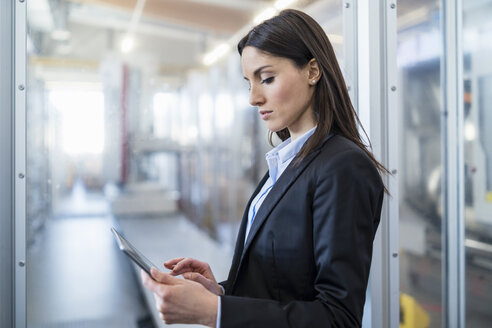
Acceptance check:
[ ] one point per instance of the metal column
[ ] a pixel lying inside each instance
(6, 168)
(453, 180)
(350, 54)
(377, 31)
(19, 174)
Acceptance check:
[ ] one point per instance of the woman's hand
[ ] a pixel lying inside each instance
(180, 300)
(195, 270)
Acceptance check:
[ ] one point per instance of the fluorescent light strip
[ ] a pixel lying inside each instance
(221, 50)
(282, 4)
(128, 41)
(264, 15)
(224, 48)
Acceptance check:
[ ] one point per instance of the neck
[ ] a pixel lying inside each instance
(294, 134)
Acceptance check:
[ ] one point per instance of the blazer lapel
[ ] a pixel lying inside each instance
(238, 251)
(276, 193)
(287, 178)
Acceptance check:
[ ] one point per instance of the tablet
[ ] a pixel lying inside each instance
(133, 253)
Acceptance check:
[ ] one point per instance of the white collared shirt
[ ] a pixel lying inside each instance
(278, 159)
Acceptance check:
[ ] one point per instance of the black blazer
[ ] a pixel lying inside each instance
(307, 257)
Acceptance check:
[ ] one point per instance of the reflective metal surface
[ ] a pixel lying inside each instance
(7, 171)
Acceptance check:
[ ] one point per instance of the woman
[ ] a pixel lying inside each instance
(304, 247)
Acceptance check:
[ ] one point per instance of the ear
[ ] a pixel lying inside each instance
(314, 72)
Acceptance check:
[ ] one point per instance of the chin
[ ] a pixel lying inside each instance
(275, 128)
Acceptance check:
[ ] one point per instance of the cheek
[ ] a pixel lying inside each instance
(287, 93)
(292, 95)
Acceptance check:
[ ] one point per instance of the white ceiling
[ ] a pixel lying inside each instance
(171, 33)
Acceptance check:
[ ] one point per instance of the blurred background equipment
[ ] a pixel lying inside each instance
(411, 314)
(422, 156)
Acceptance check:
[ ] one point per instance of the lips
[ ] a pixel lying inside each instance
(265, 114)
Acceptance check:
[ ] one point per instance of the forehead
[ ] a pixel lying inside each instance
(252, 59)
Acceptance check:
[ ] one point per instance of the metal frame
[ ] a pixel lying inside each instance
(350, 39)
(6, 165)
(453, 182)
(392, 144)
(378, 109)
(20, 37)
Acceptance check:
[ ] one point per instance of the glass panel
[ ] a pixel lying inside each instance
(477, 29)
(231, 141)
(127, 127)
(420, 160)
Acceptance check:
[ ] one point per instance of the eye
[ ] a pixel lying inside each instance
(267, 80)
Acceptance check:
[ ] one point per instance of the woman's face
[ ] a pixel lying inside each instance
(281, 91)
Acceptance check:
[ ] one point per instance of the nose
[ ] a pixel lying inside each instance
(256, 97)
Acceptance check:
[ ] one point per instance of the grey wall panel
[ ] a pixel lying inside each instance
(6, 279)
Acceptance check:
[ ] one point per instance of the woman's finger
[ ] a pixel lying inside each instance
(212, 286)
(185, 265)
(192, 276)
(171, 263)
(192, 265)
(147, 281)
(197, 277)
(163, 278)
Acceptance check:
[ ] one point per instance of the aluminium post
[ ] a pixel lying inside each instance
(377, 94)
(6, 166)
(19, 87)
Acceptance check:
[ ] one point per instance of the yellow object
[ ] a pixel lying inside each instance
(412, 314)
(489, 196)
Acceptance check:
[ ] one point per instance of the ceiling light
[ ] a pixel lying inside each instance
(470, 132)
(127, 44)
(217, 53)
(264, 15)
(60, 35)
(282, 4)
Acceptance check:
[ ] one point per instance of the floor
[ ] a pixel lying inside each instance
(76, 277)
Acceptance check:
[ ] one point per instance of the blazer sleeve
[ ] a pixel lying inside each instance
(346, 207)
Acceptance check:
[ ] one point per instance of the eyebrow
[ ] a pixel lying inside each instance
(258, 70)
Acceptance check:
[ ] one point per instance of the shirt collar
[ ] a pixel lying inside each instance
(288, 149)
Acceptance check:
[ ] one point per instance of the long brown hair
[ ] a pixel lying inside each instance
(297, 36)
